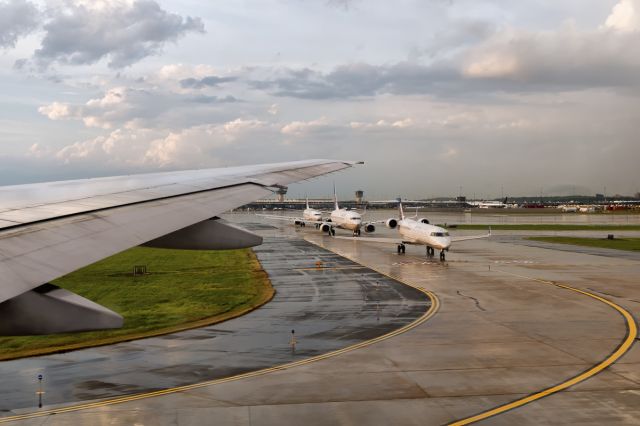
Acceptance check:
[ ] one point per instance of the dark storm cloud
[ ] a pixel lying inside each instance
(516, 62)
(362, 80)
(209, 81)
(17, 18)
(123, 33)
(564, 59)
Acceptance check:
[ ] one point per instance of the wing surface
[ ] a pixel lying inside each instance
(470, 237)
(50, 229)
(379, 240)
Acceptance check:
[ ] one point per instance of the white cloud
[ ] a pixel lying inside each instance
(382, 124)
(449, 153)
(566, 58)
(121, 31)
(142, 107)
(625, 16)
(299, 128)
(37, 150)
(241, 125)
(273, 109)
(174, 149)
(189, 147)
(56, 111)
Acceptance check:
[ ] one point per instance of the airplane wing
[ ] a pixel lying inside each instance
(471, 237)
(50, 229)
(379, 240)
(288, 218)
(277, 217)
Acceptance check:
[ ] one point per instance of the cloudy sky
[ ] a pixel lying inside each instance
(491, 96)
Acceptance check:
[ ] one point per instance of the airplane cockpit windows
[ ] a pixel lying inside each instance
(439, 234)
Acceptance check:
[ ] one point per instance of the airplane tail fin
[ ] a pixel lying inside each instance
(335, 197)
(400, 211)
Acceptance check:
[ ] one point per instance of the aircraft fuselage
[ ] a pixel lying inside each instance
(414, 232)
(346, 219)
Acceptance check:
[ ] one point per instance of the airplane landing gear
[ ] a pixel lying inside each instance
(442, 256)
(401, 248)
(356, 233)
(430, 251)
(332, 232)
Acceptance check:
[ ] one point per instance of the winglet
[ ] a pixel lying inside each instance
(335, 197)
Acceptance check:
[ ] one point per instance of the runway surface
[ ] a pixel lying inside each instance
(336, 305)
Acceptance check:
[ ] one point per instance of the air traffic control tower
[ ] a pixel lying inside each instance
(282, 191)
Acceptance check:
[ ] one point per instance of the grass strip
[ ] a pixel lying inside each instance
(183, 289)
(628, 244)
(546, 227)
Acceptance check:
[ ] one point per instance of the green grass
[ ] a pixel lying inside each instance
(548, 227)
(629, 244)
(182, 289)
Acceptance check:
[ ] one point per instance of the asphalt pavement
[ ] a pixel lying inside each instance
(329, 305)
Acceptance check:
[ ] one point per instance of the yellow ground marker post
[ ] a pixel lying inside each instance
(632, 334)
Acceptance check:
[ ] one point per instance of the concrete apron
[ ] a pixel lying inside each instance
(496, 338)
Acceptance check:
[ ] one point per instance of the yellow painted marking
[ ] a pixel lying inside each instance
(329, 268)
(435, 304)
(632, 333)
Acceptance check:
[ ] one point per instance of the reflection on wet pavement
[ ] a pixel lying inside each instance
(329, 307)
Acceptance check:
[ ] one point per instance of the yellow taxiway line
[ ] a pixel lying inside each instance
(632, 334)
(330, 268)
(435, 304)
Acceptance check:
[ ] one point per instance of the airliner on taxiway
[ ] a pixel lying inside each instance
(418, 231)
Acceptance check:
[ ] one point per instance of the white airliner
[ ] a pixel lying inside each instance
(489, 204)
(309, 215)
(345, 219)
(419, 232)
(341, 218)
(50, 229)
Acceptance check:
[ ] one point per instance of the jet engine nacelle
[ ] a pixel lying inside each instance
(423, 220)
(50, 309)
(325, 228)
(369, 228)
(391, 223)
(210, 234)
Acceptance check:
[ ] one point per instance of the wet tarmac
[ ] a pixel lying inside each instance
(500, 334)
(331, 307)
